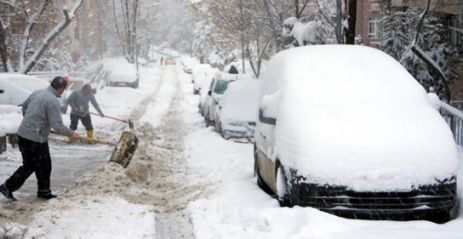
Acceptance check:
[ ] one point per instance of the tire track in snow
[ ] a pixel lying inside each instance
(159, 166)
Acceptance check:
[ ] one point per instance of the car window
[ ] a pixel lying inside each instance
(221, 86)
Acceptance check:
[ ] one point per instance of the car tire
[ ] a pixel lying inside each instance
(208, 122)
(283, 192)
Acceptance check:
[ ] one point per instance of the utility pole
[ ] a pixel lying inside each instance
(242, 36)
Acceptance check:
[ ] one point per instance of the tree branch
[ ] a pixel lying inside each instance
(68, 17)
(30, 26)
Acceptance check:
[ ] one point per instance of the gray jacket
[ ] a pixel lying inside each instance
(41, 112)
(78, 101)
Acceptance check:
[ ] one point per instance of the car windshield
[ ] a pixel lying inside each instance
(221, 86)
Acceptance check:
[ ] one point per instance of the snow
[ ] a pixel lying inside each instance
(94, 218)
(17, 87)
(11, 117)
(368, 117)
(240, 101)
(238, 208)
(233, 207)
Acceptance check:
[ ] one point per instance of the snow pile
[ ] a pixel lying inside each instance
(94, 218)
(240, 101)
(353, 116)
(11, 117)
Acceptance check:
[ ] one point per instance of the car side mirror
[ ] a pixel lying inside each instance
(209, 93)
(266, 120)
(2, 91)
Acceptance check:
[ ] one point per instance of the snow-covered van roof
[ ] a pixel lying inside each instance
(353, 116)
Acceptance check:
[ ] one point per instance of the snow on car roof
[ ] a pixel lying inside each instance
(240, 101)
(353, 116)
(26, 82)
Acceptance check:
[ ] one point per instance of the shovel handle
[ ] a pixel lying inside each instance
(110, 117)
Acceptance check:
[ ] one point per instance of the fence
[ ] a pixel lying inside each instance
(454, 118)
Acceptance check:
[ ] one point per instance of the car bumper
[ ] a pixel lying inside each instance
(435, 202)
(241, 133)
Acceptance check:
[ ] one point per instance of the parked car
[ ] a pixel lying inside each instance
(202, 77)
(237, 110)
(347, 130)
(15, 88)
(216, 89)
(122, 74)
(170, 61)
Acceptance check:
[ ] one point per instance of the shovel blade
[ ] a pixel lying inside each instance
(125, 149)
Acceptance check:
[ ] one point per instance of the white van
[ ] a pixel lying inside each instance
(347, 130)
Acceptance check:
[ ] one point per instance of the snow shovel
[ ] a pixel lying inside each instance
(125, 149)
(114, 118)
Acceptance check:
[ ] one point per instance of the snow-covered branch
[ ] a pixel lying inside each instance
(68, 17)
(30, 26)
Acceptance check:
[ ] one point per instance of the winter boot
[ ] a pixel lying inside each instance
(90, 137)
(7, 193)
(45, 194)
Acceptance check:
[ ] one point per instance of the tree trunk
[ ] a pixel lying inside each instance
(3, 49)
(350, 34)
(339, 36)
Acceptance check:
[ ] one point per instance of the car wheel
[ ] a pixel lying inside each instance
(282, 192)
(217, 127)
(260, 181)
(208, 122)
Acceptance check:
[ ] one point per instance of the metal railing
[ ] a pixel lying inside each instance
(454, 117)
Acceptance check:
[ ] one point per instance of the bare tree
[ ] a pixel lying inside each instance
(125, 19)
(29, 56)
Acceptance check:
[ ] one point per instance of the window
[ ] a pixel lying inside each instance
(455, 30)
(373, 27)
(221, 86)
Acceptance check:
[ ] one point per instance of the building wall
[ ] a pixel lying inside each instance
(368, 14)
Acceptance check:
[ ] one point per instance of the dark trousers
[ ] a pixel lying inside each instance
(36, 158)
(86, 121)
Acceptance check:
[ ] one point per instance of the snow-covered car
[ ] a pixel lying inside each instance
(188, 63)
(237, 111)
(15, 88)
(202, 77)
(347, 130)
(122, 74)
(217, 87)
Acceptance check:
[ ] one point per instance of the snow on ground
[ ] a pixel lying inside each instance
(89, 203)
(95, 218)
(112, 202)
